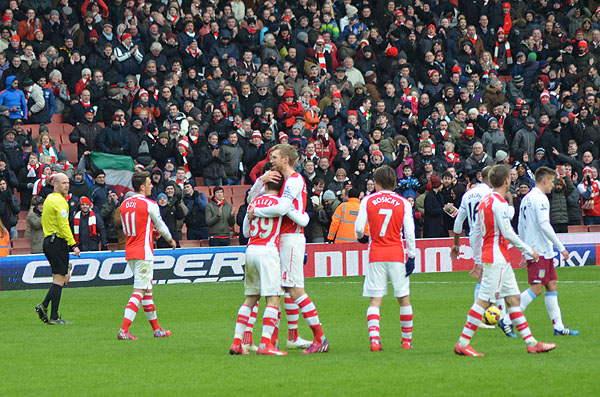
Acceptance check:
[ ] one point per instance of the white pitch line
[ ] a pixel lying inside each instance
(458, 282)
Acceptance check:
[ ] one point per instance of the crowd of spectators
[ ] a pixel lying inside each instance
(205, 88)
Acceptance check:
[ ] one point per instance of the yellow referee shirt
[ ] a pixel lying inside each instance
(55, 218)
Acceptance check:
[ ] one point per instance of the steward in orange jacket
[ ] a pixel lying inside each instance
(342, 223)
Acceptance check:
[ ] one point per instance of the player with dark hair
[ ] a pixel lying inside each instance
(138, 216)
(498, 278)
(388, 215)
(58, 240)
(263, 272)
(535, 229)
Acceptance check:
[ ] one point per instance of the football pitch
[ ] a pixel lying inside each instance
(87, 359)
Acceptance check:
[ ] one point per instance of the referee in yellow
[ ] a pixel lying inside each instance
(58, 241)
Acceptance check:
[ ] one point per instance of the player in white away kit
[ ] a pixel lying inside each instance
(263, 272)
(535, 229)
(468, 210)
(138, 215)
(498, 279)
(388, 214)
(292, 242)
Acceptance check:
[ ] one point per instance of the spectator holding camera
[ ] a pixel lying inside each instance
(219, 218)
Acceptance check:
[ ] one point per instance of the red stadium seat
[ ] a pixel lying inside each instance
(20, 251)
(21, 224)
(240, 189)
(594, 228)
(189, 243)
(57, 119)
(71, 150)
(112, 246)
(578, 229)
(23, 214)
(21, 243)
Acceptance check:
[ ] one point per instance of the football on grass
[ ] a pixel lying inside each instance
(491, 316)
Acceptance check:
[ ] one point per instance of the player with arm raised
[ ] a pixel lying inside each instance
(535, 229)
(387, 214)
(468, 211)
(498, 278)
(263, 272)
(292, 241)
(138, 215)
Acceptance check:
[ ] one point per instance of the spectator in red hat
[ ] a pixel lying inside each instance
(289, 109)
(88, 227)
(129, 56)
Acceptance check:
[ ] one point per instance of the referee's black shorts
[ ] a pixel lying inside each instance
(57, 254)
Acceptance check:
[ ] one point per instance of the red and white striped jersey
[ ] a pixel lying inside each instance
(387, 214)
(264, 231)
(494, 216)
(138, 216)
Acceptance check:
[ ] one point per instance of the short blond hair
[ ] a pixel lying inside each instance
(288, 151)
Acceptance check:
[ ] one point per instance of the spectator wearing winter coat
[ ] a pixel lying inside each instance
(13, 98)
(7, 174)
(477, 160)
(494, 139)
(195, 220)
(114, 139)
(590, 195)
(34, 229)
(9, 208)
(541, 160)
(38, 110)
(559, 213)
(88, 227)
(12, 149)
(219, 218)
(86, 133)
(289, 109)
(212, 161)
(324, 144)
(170, 212)
(99, 190)
(78, 186)
(434, 225)
(233, 153)
(525, 138)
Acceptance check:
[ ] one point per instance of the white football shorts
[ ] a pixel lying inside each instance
(376, 279)
(497, 281)
(263, 271)
(143, 271)
(292, 247)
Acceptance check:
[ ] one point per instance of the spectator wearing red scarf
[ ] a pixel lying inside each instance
(88, 229)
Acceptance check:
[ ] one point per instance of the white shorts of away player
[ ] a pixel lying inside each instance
(143, 271)
(376, 279)
(497, 281)
(291, 251)
(263, 271)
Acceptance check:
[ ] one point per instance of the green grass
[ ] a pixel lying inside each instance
(87, 359)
